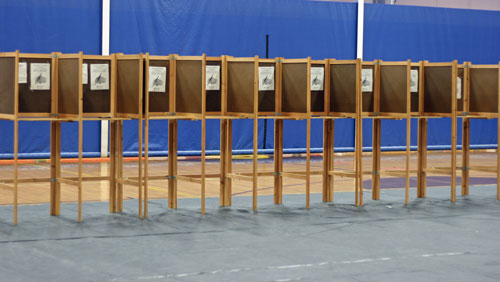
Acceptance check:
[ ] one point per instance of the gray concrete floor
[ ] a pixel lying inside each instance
(429, 240)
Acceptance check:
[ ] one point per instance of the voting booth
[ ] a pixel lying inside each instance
(28, 92)
(480, 93)
(27, 85)
(240, 100)
(395, 83)
(346, 101)
(438, 99)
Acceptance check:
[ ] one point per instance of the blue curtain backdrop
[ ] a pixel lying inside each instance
(395, 33)
(297, 29)
(44, 26)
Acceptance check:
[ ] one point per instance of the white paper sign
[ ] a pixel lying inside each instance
(212, 78)
(23, 72)
(367, 80)
(40, 76)
(157, 79)
(85, 73)
(459, 88)
(99, 77)
(317, 78)
(414, 81)
(266, 78)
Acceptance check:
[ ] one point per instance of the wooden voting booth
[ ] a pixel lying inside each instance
(193, 94)
(28, 92)
(240, 100)
(294, 102)
(158, 84)
(438, 98)
(129, 81)
(392, 100)
(480, 100)
(77, 87)
(345, 101)
(86, 86)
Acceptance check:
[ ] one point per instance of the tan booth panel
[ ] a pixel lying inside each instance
(318, 96)
(267, 98)
(393, 88)
(214, 97)
(294, 83)
(343, 88)
(96, 101)
(437, 89)
(68, 86)
(128, 72)
(35, 101)
(240, 87)
(7, 84)
(483, 90)
(159, 101)
(188, 86)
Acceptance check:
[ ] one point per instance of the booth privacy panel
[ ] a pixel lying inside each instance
(240, 87)
(343, 88)
(128, 72)
(68, 86)
(188, 86)
(393, 89)
(294, 95)
(7, 84)
(483, 90)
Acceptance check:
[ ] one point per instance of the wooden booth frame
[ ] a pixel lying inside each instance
(392, 100)
(75, 104)
(440, 103)
(340, 107)
(239, 100)
(187, 101)
(481, 92)
(16, 108)
(129, 81)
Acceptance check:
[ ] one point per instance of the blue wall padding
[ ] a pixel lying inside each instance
(297, 29)
(44, 26)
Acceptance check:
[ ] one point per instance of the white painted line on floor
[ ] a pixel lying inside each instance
(366, 260)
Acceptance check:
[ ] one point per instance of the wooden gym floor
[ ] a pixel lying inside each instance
(36, 193)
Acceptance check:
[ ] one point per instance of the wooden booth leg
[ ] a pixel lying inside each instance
(229, 163)
(112, 166)
(55, 168)
(172, 164)
(225, 162)
(80, 168)
(203, 163)
(255, 161)
(278, 161)
(408, 156)
(422, 158)
(119, 165)
(146, 166)
(465, 155)
(16, 168)
(454, 159)
(308, 163)
(358, 162)
(376, 155)
(327, 160)
(140, 171)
